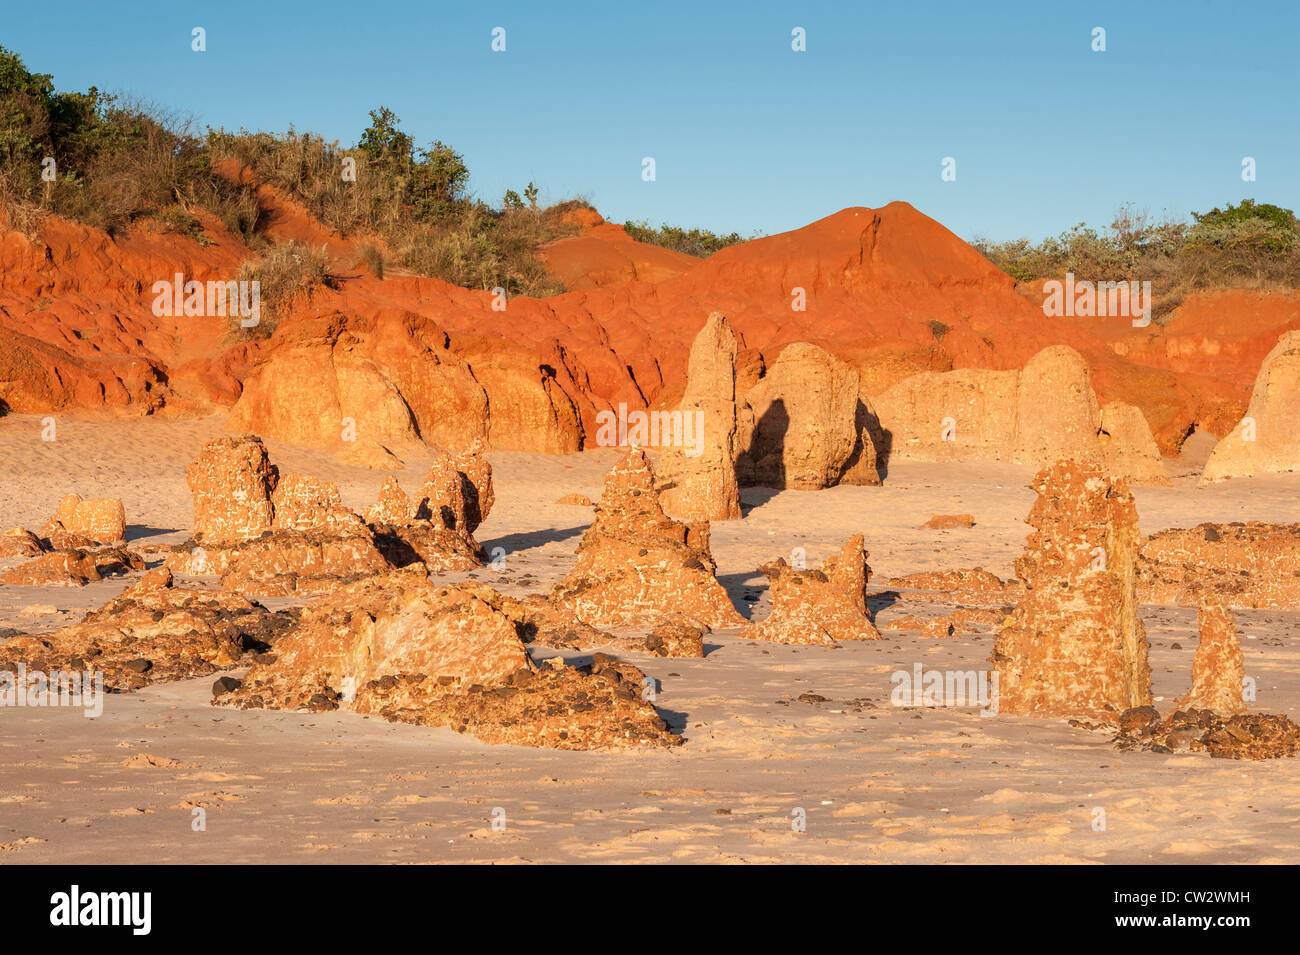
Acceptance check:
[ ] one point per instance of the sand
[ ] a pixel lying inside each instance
(873, 782)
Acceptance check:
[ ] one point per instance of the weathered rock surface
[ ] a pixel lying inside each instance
(1254, 736)
(406, 650)
(231, 481)
(1248, 565)
(974, 586)
(943, 522)
(699, 483)
(151, 633)
(822, 606)
(73, 568)
(1266, 440)
(636, 565)
(1044, 413)
(19, 542)
(1218, 671)
(102, 521)
(1074, 646)
(799, 426)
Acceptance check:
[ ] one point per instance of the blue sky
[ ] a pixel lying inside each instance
(747, 135)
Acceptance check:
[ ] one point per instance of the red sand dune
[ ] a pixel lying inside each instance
(889, 290)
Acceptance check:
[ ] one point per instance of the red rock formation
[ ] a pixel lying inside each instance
(73, 568)
(636, 565)
(943, 522)
(152, 632)
(231, 481)
(1074, 645)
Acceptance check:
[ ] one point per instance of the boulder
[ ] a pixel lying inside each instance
(822, 606)
(231, 481)
(102, 521)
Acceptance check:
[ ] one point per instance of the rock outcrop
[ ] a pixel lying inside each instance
(636, 565)
(151, 633)
(799, 427)
(1218, 672)
(74, 567)
(1044, 413)
(1266, 440)
(102, 521)
(1247, 565)
(404, 649)
(1074, 646)
(231, 481)
(699, 483)
(822, 606)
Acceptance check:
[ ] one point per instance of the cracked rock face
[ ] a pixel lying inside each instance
(232, 480)
(637, 566)
(1074, 645)
(822, 606)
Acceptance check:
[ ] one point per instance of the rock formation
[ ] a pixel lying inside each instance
(1218, 672)
(272, 536)
(1253, 736)
(231, 481)
(153, 632)
(1248, 565)
(1043, 413)
(73, 567)
(799, 427)
(399, 647)
(1127, 448)
(101, 521)
(821, 606)
(1074, 645)
(1266, 440)
(699, 483)
(635, 564)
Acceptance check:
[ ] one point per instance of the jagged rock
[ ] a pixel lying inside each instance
(1265, 440)
(798, 427)
(476, 472)
(394, 505)
(300, 562)
(1248, 565)
(102, 521)
(1218, 671)
(1074, 645)
(307, 504)
(635, 564)
(232, 481)
(699, 483)
(403, 649)
(73, 568)
(179, 633)
(820, 606)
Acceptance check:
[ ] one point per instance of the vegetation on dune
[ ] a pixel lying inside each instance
(115, 163)
(697, 242)
(1250, 245)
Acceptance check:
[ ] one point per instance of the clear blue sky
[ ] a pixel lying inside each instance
(747, 134)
